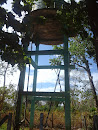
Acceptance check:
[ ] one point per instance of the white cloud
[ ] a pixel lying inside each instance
(46, 76)
(1, 81)
(11, 79)
(50, 89)
(8, 5)
(95, 76)
(30, 82)
(69, 0)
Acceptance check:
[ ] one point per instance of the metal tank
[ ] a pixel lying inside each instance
(45, 26)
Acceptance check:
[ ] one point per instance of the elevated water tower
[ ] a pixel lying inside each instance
(46, 29)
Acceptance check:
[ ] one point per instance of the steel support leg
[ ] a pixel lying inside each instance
(34, 89)
(19, 100)
(67, 87)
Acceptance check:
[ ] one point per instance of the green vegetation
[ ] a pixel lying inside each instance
(84, 103)
(4, 126)
(82, 108)
(80, 53)
(74, 16)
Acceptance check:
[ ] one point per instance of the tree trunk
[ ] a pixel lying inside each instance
(3, 95)
(5, 74)
(91, 82)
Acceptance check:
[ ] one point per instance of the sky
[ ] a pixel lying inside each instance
(47, 78)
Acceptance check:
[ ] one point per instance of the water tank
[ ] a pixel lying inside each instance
(45, 27)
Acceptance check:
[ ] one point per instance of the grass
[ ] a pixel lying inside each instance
(3, 126)
(58, 120)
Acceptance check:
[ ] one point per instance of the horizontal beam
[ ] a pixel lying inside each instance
(45, 52)
(48, 99)
(55, 67)
(51, 67)
(72, 67)
(46, 94)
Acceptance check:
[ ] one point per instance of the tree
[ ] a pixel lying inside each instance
(10, 49)
(83, 107)
(5, 70)
(79, 50)
(79, 56)
(93, 21)
(8, 98)
(74, 15)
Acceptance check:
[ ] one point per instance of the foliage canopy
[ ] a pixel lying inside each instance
(73, 15)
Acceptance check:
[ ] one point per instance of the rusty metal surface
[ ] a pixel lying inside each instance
(49, 31)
